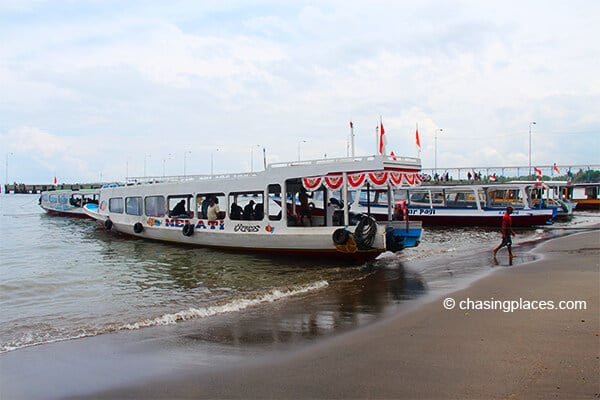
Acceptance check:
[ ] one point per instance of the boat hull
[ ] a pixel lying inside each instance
(471, 217)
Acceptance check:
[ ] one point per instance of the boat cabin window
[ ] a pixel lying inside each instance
(247, 206)
(274, 204)
(76, 200)
(133, 206)
(461, 200)
(53, 198)
(115, 205)
(505, 197)
(204, 202)
(155, 206)
(63, 199)
(180, 206)
(306, 208)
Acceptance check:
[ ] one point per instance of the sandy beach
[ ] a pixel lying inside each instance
(424, 351)
(436, 353)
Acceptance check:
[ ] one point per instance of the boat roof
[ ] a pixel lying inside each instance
(307, 168)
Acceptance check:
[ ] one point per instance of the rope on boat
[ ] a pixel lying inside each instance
(365, 231)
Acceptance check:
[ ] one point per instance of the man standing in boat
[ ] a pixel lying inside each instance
(507, 232)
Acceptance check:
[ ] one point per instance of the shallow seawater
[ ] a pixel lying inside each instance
(65, 278)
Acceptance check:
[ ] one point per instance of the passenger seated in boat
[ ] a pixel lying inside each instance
(213, 209)
(236, 212)
(305, 211)
(179, 209)
(259, 212)
(249, 211)
(205, 205)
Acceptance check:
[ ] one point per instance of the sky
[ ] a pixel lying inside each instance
(96, 90)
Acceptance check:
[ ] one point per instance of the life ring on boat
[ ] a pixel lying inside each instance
(138, 227)
(365, 231)
(340, 236)
(188, 230)
(108, 224)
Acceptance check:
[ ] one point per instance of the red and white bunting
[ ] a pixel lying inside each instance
(333, 182)
(357, 180)
(312, 183)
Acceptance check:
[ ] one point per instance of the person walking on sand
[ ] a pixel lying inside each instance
(507, 232)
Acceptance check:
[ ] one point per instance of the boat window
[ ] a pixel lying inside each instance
(115, 205)
(305, 208)
(76, 200)
(204, 201)
(63, 199)
(180, 206)
(505, 197)
(133, 206)
(274, 203)
(52, 198)
(248, 206)
(155, 206)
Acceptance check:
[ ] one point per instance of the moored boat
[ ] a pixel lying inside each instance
(462, 205)
(68, 203)
(245, 212)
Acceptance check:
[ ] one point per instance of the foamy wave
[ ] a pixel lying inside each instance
(233, 306)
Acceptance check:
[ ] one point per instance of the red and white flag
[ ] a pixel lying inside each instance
(538, 172)
(493, 178)
(55, 181)
(382, 138)
(555, 168)
(351, 125)
(393, 156)
(418, 141)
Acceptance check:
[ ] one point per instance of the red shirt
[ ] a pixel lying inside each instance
(506, 224)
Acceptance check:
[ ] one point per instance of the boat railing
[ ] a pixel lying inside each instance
(345, 160)
(138, 180)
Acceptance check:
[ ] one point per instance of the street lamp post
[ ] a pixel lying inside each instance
(6, 168)
(184, 161)
(299, 143)
(531, 123)
(146, 156)
(164, 162)
(436, 133)
(212, 162)
(252, 157)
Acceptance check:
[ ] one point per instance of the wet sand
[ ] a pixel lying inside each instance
(431, 352)
(421, 350)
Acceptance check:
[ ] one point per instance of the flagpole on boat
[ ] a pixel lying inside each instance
(352, 138)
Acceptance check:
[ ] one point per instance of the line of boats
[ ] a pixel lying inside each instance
(351, 208)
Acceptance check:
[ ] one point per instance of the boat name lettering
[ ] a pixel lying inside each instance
(246, 228)
(421, 211)
(179, 223)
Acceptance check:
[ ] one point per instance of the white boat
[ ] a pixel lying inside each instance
(552, 194)
(68, 203)
(251, 216)
(462, 205)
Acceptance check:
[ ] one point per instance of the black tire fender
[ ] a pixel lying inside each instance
(108, 224)
(340, 236)
(188, 230)
(138, 227)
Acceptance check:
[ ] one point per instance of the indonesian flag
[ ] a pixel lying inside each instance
(393, 156)
(55, 181)
(555, 168)
(351, 125)
(382, 138)
(418, 141)
(493, 177)
(538, 172)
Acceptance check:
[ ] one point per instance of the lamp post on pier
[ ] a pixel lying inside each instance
(184, 161)
(212, 162)
(252, 157)
(6, 169)
(299, 143)
(146, 156)
(531, 123)
(436, 133)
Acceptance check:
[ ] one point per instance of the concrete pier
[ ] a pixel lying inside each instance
(38, 188)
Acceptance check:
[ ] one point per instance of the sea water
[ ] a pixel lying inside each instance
(65, 278)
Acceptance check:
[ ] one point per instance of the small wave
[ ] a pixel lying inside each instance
(233, 306)
(32, 339)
